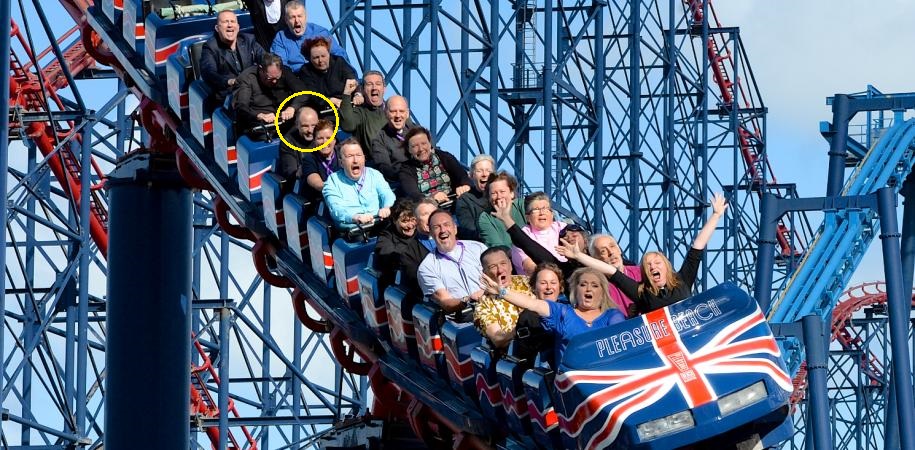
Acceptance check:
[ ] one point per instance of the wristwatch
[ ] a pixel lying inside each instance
(502, 292)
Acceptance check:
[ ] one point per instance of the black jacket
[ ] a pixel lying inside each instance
(252, 97)
(468, 208)
(409, 185)
(330, 83)
(387, 153)
(263, 30)
(648, 302)
(219, 63)
(395, 252)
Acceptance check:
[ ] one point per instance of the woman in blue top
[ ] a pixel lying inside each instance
(591, 306)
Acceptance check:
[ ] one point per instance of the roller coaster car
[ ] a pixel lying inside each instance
(373, 307)
(180, 73)
(509, 371)
(164, 36)
(272, 187)
(458, 341)
(320, 236)
(349, 259)
(200, 114)
(295, 214)
(400, 321)
(427, 321)
(489, 391)
(225, 151)
(538, 387)
(255, 158)
(675, 376)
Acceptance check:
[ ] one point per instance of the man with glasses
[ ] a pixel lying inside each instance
(450, 274)
(261, 89)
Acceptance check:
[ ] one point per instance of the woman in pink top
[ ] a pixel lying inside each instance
(538, 212)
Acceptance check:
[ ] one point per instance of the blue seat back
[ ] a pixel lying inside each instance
(320, 235)
(400, 321)
(165, 36)
(458, 341)
(349, 259)
(200, 114)
(133, 25)
(179, 75)
(426, 320)
(112, 9)
(538, 386)
(255, 158)
(224, 142)
(271, 199)
(373, 307)
(294, 215)
(489, 393)
(514, 400)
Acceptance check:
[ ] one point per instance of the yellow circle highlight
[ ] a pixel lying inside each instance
(276, 121)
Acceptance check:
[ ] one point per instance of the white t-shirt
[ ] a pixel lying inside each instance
(273, 10)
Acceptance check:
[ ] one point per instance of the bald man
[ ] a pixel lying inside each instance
(225, 55)
(388, 152)
(303, 136)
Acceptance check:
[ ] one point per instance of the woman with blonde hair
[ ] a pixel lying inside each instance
(591, 306)
(660, 285)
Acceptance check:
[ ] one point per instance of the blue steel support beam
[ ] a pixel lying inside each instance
(85, 258)
(908, 267)
(5, 29)
(765, 258)
(223, 394)
(547, 98)
(900, 307)
(493, 80)
(634, 111)
(837, 154)
(815, 341)
(149, 305)
(599, 112)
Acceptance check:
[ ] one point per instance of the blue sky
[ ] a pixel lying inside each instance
(803, 52)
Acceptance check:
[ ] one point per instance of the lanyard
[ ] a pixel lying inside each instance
(458, 263)
(328, 164)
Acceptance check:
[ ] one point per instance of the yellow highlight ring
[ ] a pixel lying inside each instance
(276, 121)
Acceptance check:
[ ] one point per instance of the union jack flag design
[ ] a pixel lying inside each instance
(676, 358)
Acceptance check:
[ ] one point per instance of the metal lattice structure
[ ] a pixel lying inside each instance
(628, 114)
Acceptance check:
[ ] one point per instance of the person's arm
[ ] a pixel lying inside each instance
(409, 187)
(209, 70)
(719, 205)
(571, 251)
(242, 100)
(463, 211)
(460, 180)
(350, 119)
(336, 202)
(295, 85)
(386, 196)
(381, 157)
(493, 288)
(257, 51)
(499, 336)
(314, 181)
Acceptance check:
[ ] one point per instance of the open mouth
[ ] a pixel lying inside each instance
(656, 275)
(503, 279)
(548, 292)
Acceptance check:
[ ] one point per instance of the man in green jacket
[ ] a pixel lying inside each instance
(492, 230)
(366, 120)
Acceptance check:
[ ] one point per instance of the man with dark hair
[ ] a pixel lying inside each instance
(288, 42)
(225, 55)
(495, 317)
(450, 275)
(388, 152)
(260, 91)
(364, 121)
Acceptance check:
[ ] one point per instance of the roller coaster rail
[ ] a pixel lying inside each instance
(711, 142)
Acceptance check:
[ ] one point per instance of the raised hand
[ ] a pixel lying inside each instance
(719, 204)
(568, 249)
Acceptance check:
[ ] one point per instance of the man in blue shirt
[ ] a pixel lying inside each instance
(356, 194)
(288, 43)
